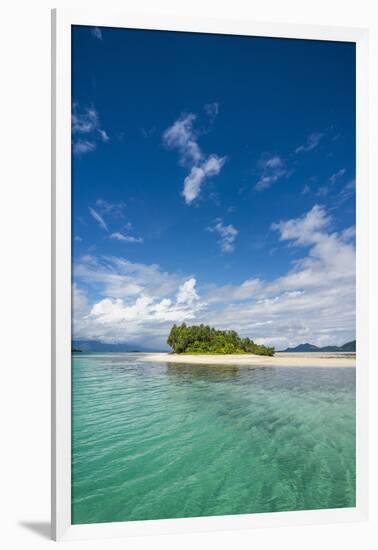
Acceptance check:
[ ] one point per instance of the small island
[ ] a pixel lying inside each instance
(205, 340)
(205, 345)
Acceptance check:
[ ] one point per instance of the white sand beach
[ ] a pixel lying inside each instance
(321, 359)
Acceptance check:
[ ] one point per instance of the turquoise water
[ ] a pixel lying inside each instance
(156, 440)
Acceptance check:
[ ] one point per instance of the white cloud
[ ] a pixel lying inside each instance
(84, 122)
(187, 293)
(227, 233)
(86, 130)
(181, 136)
(312, 142)
(144, 310)
(349, 234)
(347, 192)
(247, 290)
(274, 162)
(312, 301)
(306, 229)
(82, 146)
(115, 209)
(99, 219)
(80, 303)
(119, 319)
(193, 182)
(337, 175)
(97, 33)
(125, 238)
(324, 190)
(117, 277)
(104, 136)
(329, 266)
(271, 170)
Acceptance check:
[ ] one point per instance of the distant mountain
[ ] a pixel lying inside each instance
(94, 345)
(348, 347)
(303, 347)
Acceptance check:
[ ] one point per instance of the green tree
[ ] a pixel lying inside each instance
(205, 339)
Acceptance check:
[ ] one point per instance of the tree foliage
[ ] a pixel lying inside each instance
(207, 340)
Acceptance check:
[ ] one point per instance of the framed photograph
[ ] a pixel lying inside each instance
(210, 274)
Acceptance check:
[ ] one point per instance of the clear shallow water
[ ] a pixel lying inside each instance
(153, 441)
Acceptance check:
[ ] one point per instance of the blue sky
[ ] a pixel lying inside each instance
(213, 181)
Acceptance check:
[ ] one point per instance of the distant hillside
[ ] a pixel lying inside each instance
(348, 347)
(94, 345)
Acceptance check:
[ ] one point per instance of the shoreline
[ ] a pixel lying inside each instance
(283, 359)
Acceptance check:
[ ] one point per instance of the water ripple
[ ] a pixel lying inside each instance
(165, 441)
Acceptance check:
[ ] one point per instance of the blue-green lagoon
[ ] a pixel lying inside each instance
(158, 440)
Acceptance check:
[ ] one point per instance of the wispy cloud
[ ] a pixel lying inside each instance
(82, 146)
(116, 209)
(181, 136)
(97, 33)
(86, 130)
(125, 238)
(324, 190)
(347, 192)
(311, 143)
(193, 182)
(234, 293)
(322, 281)
(104, 136)
(99, 219)
(227, 233)
(138, 302)
(337, 175)
(304, 230)
(106, 211)
(272, 169)
(212, 109)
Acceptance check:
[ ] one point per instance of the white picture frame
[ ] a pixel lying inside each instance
(62, 20)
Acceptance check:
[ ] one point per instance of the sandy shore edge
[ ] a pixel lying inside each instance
(279, 360)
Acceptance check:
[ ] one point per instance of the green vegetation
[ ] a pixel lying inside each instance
(203, 339)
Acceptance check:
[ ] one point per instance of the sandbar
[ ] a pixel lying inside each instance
(317, 359)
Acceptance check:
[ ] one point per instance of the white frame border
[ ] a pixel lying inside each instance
(61, 272)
